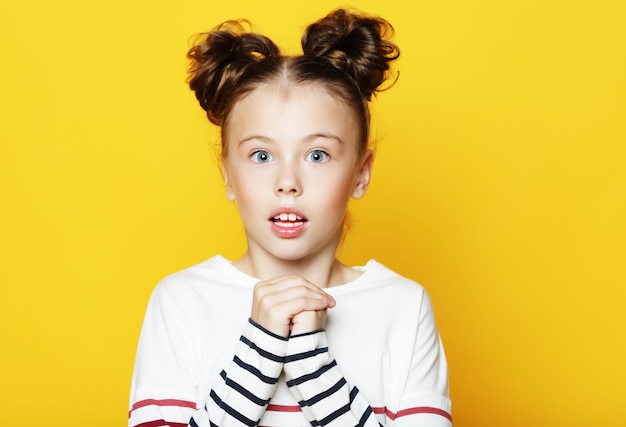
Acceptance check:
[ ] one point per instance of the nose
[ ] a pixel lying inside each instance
(288, 181)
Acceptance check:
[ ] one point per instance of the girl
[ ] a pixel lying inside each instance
(287, 335)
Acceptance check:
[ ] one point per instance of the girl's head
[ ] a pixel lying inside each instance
(295, 129)
(346, 54)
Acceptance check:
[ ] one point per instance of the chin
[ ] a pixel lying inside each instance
(291, 256)
(294, 255)
(293, 250)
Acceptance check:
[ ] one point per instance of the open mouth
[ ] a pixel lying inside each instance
(288, 220)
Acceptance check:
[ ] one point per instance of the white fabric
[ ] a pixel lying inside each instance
(381, 333)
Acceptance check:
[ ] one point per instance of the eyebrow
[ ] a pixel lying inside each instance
(306, 139)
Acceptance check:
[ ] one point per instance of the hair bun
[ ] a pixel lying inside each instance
(218, 61)
(354, 43)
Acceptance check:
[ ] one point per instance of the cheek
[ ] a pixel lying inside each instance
(250, 187)
(245, 189)
(336, 189)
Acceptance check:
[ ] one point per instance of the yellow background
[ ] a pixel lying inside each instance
(500, 185)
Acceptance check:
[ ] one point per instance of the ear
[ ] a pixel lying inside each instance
(230, 194)
(364, 174)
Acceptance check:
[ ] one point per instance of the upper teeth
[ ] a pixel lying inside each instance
(288, 217)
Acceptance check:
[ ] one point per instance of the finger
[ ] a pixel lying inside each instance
(308, 321)
(278, 297)
(276, 314)
(293, 307)
(277, 301)
(284, 283)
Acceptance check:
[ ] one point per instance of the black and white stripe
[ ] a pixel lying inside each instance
(316, 381)
(247, 385)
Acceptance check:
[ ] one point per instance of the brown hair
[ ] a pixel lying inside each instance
(348, 53)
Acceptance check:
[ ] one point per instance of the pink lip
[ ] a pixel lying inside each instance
(288, 229)
(288, 232)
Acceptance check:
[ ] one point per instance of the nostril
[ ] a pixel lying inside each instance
(289, 191)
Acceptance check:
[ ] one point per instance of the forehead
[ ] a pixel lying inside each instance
(279, 111)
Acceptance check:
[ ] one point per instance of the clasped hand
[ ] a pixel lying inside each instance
(290, 305)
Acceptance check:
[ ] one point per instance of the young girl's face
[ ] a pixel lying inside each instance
(293, 163)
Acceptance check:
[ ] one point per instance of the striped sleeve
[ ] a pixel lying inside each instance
(241, 394)
(161, 395)
(324, 395)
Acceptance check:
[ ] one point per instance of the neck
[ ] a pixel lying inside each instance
(322, 270)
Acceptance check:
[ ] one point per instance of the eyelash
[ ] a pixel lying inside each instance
(255, 156)
(324, 154)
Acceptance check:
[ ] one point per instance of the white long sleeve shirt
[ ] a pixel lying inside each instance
(202, 362)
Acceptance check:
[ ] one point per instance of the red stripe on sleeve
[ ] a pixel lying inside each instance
(164, 402)
(283, 408)
(411, 411)
(161, 423)
(161, 402)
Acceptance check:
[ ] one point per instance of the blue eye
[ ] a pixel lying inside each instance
(261, 156)
(317, 156)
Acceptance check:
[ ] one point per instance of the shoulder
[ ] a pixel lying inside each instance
(215, 270)
(378, 276)
(200, 281)
(401, 293)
